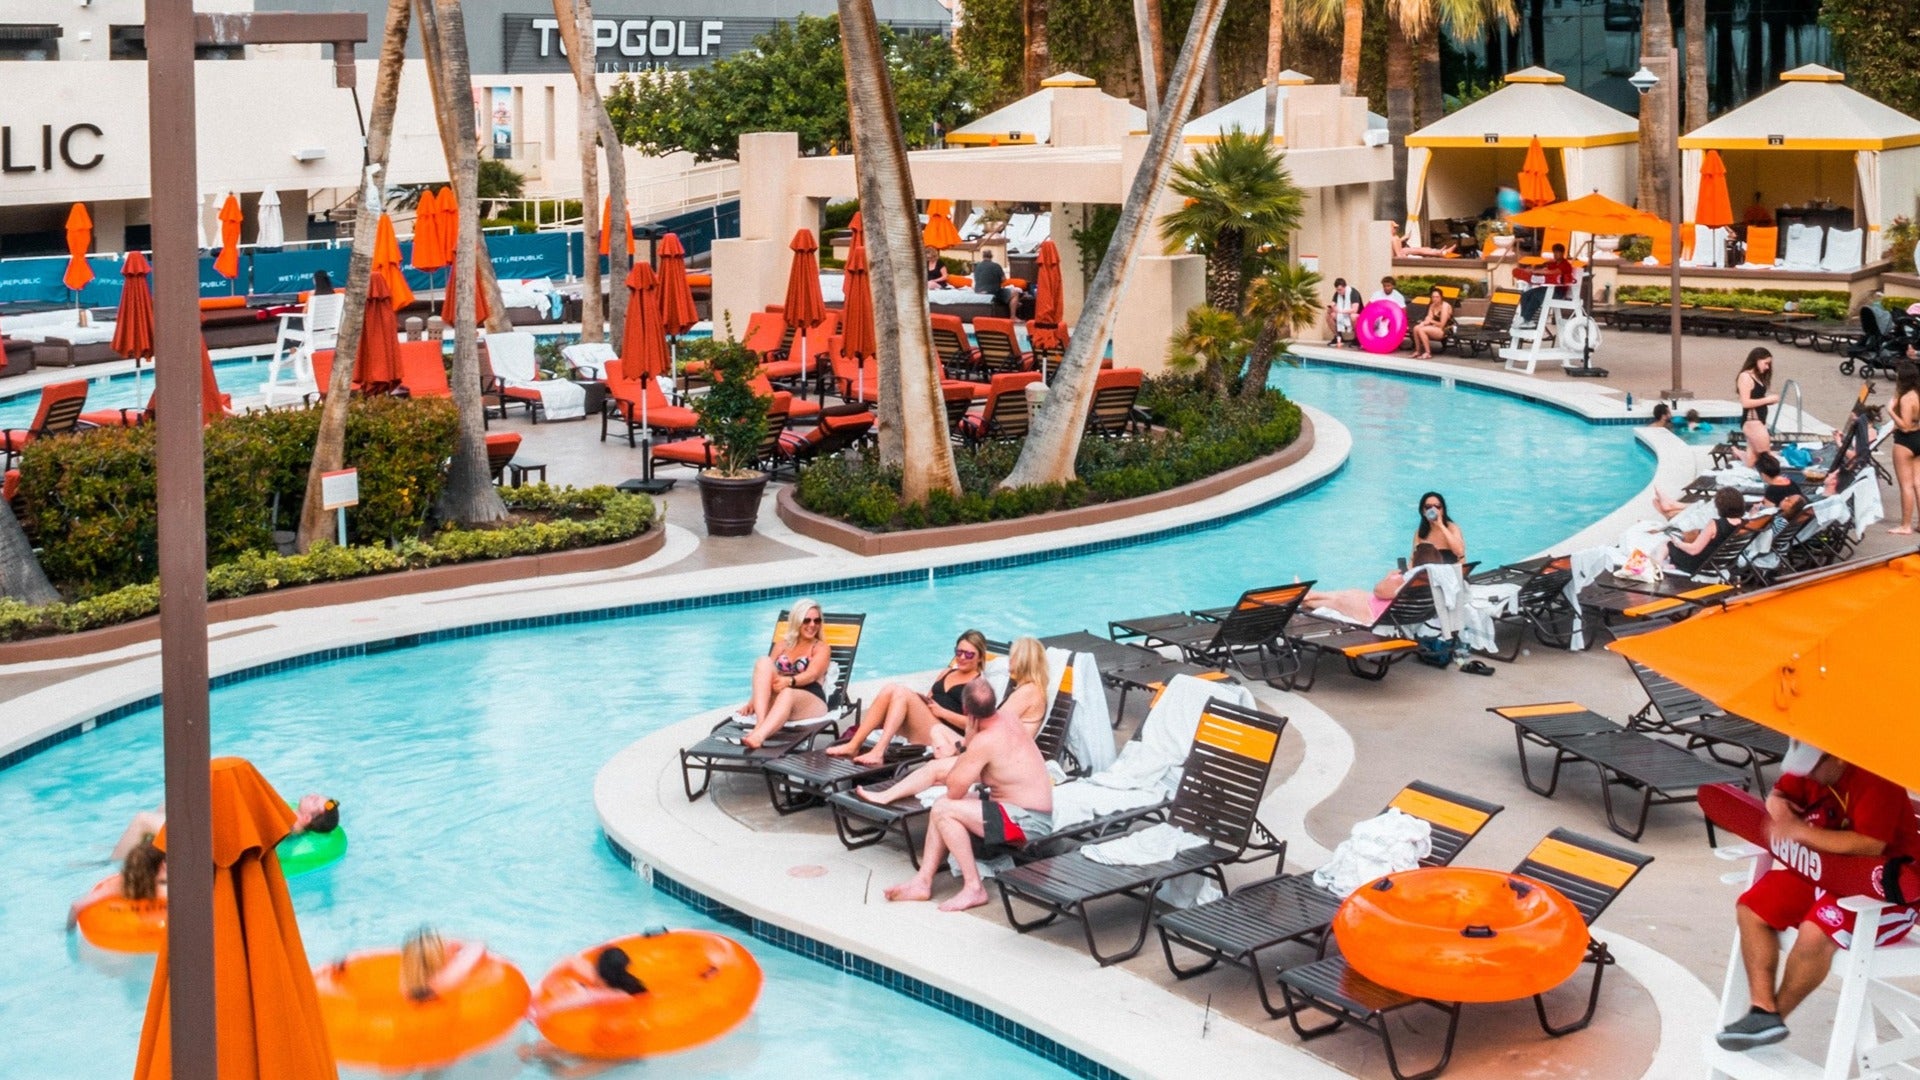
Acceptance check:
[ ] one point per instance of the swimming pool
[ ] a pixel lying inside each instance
(465, 767)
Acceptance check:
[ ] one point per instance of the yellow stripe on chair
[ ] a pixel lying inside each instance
(1371, 647)
(1236, 738)
(1066, 680)
(1277, 597)
(1705, 591)
(838, 635)
(1554, 708)
(1441, 812)
(1640, 611)
(1583, 863)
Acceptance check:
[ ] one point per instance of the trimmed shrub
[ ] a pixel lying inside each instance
(1421, 284)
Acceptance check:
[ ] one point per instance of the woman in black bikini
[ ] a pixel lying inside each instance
(930, 719)
(790, 682)
(1750, 387)
(1438, 532)
(1905, 414)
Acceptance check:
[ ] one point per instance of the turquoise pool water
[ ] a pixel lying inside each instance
(465, 768)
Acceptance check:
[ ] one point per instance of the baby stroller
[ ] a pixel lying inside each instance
(1883, 343)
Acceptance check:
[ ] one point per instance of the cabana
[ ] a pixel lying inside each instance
(1249, 113)
(1820, 154)
(1457, 164)
(1029, 121)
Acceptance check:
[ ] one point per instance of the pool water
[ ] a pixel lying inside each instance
(465, 768)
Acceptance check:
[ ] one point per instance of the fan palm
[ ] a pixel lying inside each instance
(1279, 301)
(1213, 341)
(1239, 199)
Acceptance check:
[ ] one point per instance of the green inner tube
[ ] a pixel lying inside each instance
(303, 852)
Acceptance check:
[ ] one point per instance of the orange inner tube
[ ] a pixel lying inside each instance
(370, 1022)
(1460, 934)
(699, 987)
(122, 925)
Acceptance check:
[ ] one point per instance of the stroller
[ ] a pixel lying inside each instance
(1884, 341)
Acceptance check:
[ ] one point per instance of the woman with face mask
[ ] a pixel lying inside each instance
(1438, 534)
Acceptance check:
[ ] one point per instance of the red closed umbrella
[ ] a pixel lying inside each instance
(858, 335)
(939, 231)
(430, 249)
(133, 322)
(386, 262)
(606, 229)
(213, 404)
(677, 311)
(804, 307)
(79, 238)
(480, 309)
(643, 344)
(376, 366)
(1047, 305)
(1713, 208)
(227, 263)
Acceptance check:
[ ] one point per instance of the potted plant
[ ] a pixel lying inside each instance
(734, 420)
(1500, 231)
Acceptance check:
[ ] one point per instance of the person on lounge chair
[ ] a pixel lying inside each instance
(1360, 605)
(931, 719)
(1688, 552)
(790, 683)
(1013, 808)
(1438, 533)
(1432, 330)
(1402, 249)
(1840, 809)
(1027, 680)
(1342, 309)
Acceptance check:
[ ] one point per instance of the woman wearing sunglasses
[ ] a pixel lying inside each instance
(790, 682)
(930, 719)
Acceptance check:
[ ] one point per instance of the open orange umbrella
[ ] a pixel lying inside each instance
(1713, 209)
(79, 238)
(268, 1015)
(227, 263)
(804, 308)
(1798, 658)
(643, 344)
(1048, 307)
(859, 339)
(376, 365)
(677, 311)
(606, 228)
(386, 262)
(1593, 213)
(939, 231)
(1536, 189)
(430, 249)
(133, 322)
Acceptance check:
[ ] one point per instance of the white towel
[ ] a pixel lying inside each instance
(1803, 246)
(1845, 248)
(1147, 769)
(1376, 847)
(1155, 844)
(511, 355)
(591, 356)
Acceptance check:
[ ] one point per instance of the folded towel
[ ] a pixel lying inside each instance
(1156, 844)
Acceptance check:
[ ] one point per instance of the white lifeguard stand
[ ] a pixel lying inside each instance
(1562, 330)
(316, 327)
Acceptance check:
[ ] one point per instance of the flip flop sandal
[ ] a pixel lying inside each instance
(1476, 667)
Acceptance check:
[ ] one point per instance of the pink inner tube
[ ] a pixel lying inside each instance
(1381, 326)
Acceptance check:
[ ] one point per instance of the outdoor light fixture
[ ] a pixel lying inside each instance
(1643, 80)
(312, 153)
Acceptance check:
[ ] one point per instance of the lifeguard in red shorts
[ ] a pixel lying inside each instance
(1838, 809)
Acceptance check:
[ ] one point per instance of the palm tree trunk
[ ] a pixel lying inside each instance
(618, 260)
(1054, 439)
(451, 142)
(1156, 30)
(21, 576)
(1496, 40)
(1149, 63)
(894, 261)
(1276, 25)
(1537, 30)
(1225, 268)
(330, 445)
(1722, 60)
(1431, 104)
(576, 29)
(1260, 361)
(469, 497)
(1694, 19)
(1352, 24)
(1399, 116)
(578, 13)
(1039, 54)
(1656, 131)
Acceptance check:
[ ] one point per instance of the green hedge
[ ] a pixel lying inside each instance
(1203, 436)
(1829, 304)
(578, 518)
(90, 499)
(1415, 285)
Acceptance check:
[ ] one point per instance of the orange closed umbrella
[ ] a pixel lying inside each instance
(1048, 308)
(939, 232)
(268, 1015)
(480, 309)
(677, 310)
(1536, 189)
(213, 404)
(79, 238)
(227, 263)
(804, 308)
(859, 340)
(430, 249)
(1801, 659)
(1713, 209)
(376, 366)
(606, 228)
(386, 262)
(643, 344)
(133, 322)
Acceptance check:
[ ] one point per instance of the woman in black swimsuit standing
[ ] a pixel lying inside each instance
(1750, 387)
(930, 719)
(1905, 413)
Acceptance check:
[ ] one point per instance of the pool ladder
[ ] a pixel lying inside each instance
(1798, 432)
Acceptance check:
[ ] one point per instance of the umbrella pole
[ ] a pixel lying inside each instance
(803, 361)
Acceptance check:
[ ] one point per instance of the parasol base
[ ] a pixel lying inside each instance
(1585, 372)
(647, 486)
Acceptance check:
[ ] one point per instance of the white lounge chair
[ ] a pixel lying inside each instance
(1803, 246)
(314, 327)
(1845, 248)
(590, 357)
(1709, 247)
(516, 366)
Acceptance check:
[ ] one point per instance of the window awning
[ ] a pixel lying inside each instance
(29, 31)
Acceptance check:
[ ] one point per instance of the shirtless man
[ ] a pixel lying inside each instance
(1015, 807)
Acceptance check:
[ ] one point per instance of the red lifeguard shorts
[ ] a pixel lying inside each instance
(1785, 900)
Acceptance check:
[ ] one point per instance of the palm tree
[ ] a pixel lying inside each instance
(913, 425)
(1146, 28)
(1212, 341)
(1694, 20)
(1352, 14)
(577, 32)
(1656, 127)
(1053, 441)
(1239, 198)
(21, 576)
(330, 445)
(1276, 23)
(453, 143)
(1038, 57)
(1410, 21)
(1279, 301)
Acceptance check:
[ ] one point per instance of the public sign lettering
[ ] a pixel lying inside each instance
(21, 152)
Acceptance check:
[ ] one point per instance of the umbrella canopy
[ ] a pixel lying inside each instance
(1593, 213)
(480, 309)
(227, 263)
(79, 238)
(939, 231)
(1713, 209)
(430, 249)
(213, 405)
(133, 322)
(677, 312)
(606, 228)
(804, 307)
(376, 366)
(267, 1012)
(386, 262)
(270, 231)
(1798, 659)
(1535, 188)
(860, 339)
(643, 344)
(1047, 305)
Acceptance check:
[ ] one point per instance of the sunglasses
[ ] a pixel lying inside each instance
(814, 621)
(964, 654)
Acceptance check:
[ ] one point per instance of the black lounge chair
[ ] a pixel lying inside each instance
(1368, 650)
(721, 751)
(1290, 908)
(1662, 773)
(1672, 709)
(1250, 639)
(1588, 872)
(1494, 330)
(1540, 607)
(1221, 785)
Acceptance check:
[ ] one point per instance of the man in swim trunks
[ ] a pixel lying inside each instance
(1013, 808)
(1840, 809)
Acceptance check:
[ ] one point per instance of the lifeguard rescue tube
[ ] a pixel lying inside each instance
(371, 1023)
(122, 925)
(1381, 326)
(1460, 934)
(699, 987)
(304, 852)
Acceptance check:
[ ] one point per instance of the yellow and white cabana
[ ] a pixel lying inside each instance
(1813, 138)
(1029, 121)
(1457, 164)
(1249, 113)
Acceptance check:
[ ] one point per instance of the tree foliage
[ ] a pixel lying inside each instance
(1880, 43)
(1239, 200)
(791, 80)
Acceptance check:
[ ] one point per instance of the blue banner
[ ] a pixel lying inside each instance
(104, 289)
(292, 271)
(212, 284)
(530, 255)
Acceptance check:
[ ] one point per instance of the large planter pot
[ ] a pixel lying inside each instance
(731, 504)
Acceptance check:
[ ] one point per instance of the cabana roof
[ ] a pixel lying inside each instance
(1249, 113)
(1029, 120)
(1811, 109)
(1535, 103)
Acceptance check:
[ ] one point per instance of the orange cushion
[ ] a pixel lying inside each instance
(221, 303)
(700, 281)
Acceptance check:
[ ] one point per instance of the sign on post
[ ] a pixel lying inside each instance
(339, 490)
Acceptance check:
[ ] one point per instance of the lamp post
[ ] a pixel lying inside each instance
(1644, 81)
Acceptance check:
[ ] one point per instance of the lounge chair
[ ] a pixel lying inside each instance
(767, 336)
(624, 406)
(423, 370)
(1368, 650)
(950, 343)
(1494, 330)
(1291, 908)
(959, 397)
(1218, 800)
(696, 453)
(1005, 414)
(1114, 393)
(512, 377)
(1586, 871)
(57, 414)
(1763, 247)
(1251, 640)
(1049, 342)
(1803, 246)
(1844, 251)
(999, 347)
(1660, 772)
(1672, 709)
(722, 752)
(1539, 607)
(836, 431)
(501, 446)
(315, 326)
